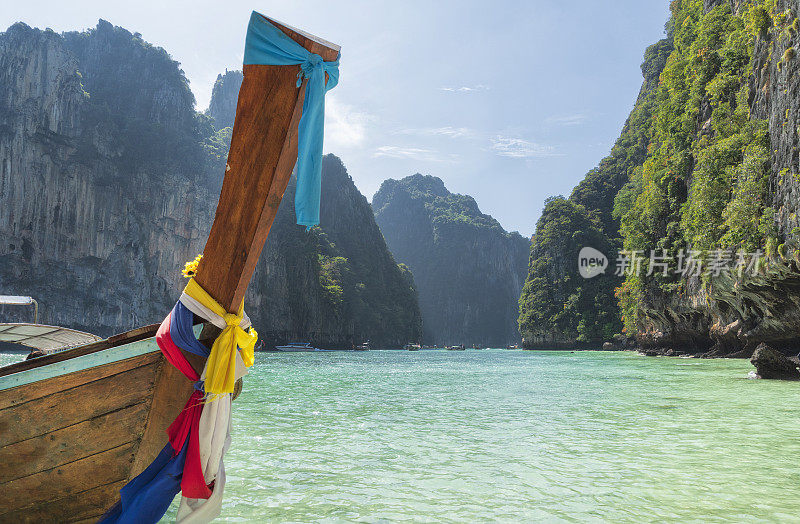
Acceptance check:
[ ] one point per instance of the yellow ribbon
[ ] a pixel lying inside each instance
(221, 365)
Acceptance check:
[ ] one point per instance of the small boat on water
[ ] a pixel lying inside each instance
(456, 348)
(44, 339)
(412, 347)
(296, 347)
(79, 424)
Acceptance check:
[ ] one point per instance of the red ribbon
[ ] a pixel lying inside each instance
(187, 423)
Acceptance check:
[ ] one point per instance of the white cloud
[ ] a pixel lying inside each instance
(408, 153)
(447, 131)
(344, 126)
(567, 120)
(519, 148)
(464, 89)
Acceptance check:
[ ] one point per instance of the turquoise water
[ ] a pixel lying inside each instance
(444, 436)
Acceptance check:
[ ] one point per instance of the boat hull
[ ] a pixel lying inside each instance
(74, 431)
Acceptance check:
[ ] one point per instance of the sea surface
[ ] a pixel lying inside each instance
(503, 435)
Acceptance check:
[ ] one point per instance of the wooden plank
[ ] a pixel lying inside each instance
(82, 506)
(327, 50)
(71, 443)
(116, 340)
(82, 362)
(170, 393)
(97, 470)
(74, 405)
(25, 393)
(260, 160)
(32, 385)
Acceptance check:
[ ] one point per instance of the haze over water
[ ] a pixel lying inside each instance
(510, 436)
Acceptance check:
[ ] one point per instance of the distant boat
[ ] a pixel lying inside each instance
(456, 348)
(363, 347)
(412, 347)
(297, 347)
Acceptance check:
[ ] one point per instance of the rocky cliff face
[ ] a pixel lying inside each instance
(733, 314)
(109, 180)
(717, 177)
(468, 270)
(337, 285)
(224, 95)
(559, 308)
(93, 221)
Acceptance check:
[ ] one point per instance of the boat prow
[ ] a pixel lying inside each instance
(77, 425)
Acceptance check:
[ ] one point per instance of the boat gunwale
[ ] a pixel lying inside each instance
(78, 363)
(113, 341)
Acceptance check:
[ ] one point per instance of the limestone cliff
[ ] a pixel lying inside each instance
(103, 192)
(222, 108)
(468, 270)
(109, 180)
(715, 174)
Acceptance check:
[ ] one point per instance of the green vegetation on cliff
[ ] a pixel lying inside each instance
(692, 170)
(468, 270)
(703, 185)
(109, 179)
(557, 307)
(554, 294)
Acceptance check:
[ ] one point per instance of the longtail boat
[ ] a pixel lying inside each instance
(77, 425)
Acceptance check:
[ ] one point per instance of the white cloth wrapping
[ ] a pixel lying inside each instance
(214, 432)
(199, 309)
(215, 439)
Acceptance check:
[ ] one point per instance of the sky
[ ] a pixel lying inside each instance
(508, 101)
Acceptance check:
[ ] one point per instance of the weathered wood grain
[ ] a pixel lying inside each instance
(75, 405)
(96, 470)
(80, 506)
(71, 443)
(260, 161)
(28, 392)
(170, 393)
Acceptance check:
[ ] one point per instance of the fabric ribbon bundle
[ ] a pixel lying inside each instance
(199, 437)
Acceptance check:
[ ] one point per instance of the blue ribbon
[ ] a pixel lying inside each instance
(147, 497)
(268, 45)
(181, 331)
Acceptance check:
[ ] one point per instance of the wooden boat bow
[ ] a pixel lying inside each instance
(260, 161)
(77, 425)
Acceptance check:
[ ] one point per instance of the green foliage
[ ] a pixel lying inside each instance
(597, 191)
(704, 183)
(332, 272)
(758, 20)
(556, 302)
(788, 55)
(695, 168)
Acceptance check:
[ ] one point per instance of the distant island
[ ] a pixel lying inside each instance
(468, 269)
